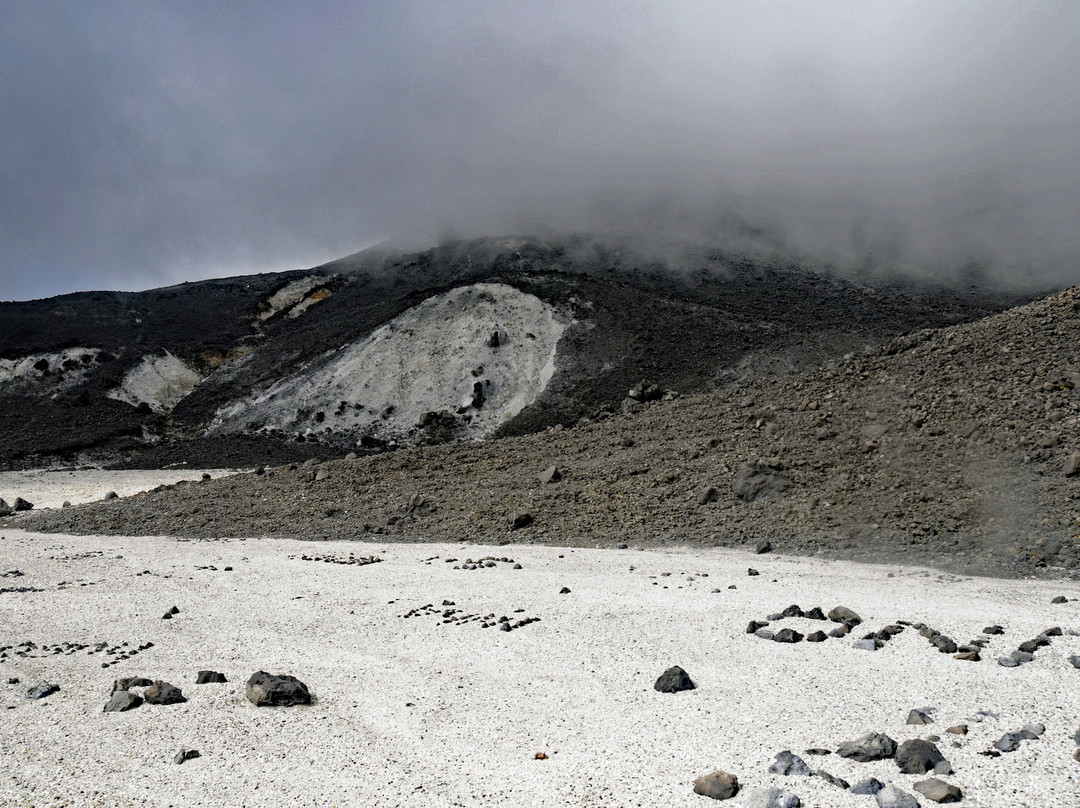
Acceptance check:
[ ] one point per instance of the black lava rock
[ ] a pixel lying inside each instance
(918, 756)
(270, 690)
(163, 693)
(673, 680)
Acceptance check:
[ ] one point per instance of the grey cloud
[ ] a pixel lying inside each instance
(146, 143)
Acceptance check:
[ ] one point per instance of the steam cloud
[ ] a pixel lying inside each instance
(144, 143)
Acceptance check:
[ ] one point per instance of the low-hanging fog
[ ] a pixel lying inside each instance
(147, 143)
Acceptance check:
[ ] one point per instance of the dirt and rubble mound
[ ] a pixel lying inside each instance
(955, 447)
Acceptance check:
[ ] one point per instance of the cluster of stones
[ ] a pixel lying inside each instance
(450, 615)
(1025, 652)
(945, 645)
(66, 584)
(1010, 741)
(12, 590)
(154, 692)
(209, 567)
(263, 690)
(841, 614)
(19, 504)
(487, 562)
(30, 650)
(915, 756)
(352, 560)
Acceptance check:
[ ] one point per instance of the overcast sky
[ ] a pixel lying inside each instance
(145, 143)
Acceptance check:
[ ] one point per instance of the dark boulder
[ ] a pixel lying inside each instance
(210, 678)
(673, 680)
(520, 520)
(163, 693)
(270, 690)
(918, 756)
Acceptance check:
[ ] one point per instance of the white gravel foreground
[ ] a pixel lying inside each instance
(415, 712)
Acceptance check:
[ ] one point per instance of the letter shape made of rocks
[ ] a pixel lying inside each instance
(270, 690)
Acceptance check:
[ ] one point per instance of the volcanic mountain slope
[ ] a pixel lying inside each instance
(957, 447)
(463, 341)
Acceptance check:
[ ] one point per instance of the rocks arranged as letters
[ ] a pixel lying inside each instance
(355, 561)
(451, 615)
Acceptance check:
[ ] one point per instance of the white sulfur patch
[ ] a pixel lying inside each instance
(160, 381)
(292, 294)
(61, 369)
(435, 357)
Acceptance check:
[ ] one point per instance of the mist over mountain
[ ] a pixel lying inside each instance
(145, 144)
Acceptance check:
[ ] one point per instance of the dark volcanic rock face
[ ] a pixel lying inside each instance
(935, 450)
(690, 324)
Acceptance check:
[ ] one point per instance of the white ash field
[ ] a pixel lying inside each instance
(435, 709)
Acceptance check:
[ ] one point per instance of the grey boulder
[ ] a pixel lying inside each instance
(869, 786)
(1009, 742)
(719, 785)
(122, 701)
(874, 746)
(919, 717)
(789, 764)
(938, 790)
(41, 690)
(842, 614)
(892, 797)
(773, 798)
